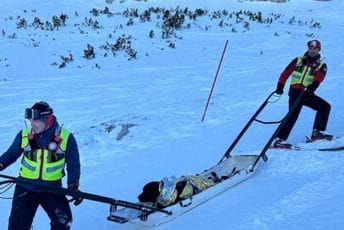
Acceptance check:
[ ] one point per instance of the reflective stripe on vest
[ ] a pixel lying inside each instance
(42, 163)
(304, 74)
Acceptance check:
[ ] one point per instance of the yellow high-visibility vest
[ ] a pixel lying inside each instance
(304, 74)
(43, 163)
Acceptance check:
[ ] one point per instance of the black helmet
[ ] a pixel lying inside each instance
(39, 110)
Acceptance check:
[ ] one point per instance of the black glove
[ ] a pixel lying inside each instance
(279, 89)
(312, 87)
(75, 187)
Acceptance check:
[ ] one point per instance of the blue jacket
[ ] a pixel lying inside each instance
(43, 139)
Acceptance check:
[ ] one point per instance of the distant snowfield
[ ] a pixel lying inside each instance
(158, 99)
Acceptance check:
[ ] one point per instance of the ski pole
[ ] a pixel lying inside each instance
(214, 81)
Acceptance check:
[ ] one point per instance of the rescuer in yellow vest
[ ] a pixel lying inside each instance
(47, 150)
(307, 72)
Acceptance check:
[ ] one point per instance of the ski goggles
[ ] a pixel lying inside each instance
(35, 114)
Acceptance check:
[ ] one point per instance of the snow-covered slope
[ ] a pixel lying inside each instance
(159, 97)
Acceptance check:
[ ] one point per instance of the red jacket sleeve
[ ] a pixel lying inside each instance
(287, 71)
(320, 74)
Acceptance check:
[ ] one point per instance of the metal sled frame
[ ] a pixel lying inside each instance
(233, 171)
(262, 154)
(83, 195)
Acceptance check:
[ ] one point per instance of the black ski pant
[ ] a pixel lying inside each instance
(314, 102)
(26, 202)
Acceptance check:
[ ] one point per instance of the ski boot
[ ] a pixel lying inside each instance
(318, 135)
(281, 144)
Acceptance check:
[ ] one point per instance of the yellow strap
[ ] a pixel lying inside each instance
(25, 138)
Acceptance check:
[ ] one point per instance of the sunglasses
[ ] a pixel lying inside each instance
(35, 114)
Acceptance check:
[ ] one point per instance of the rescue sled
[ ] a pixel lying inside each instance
(230, 169)
(229, 172)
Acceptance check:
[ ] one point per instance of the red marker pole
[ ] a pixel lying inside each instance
(213, 85)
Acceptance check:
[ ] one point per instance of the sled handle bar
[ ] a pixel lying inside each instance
(85, 195)
(292, 108)
(242, 132)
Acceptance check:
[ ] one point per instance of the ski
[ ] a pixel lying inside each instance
(286, 147)
(308, 140)
(332, 149)
(298, 148)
